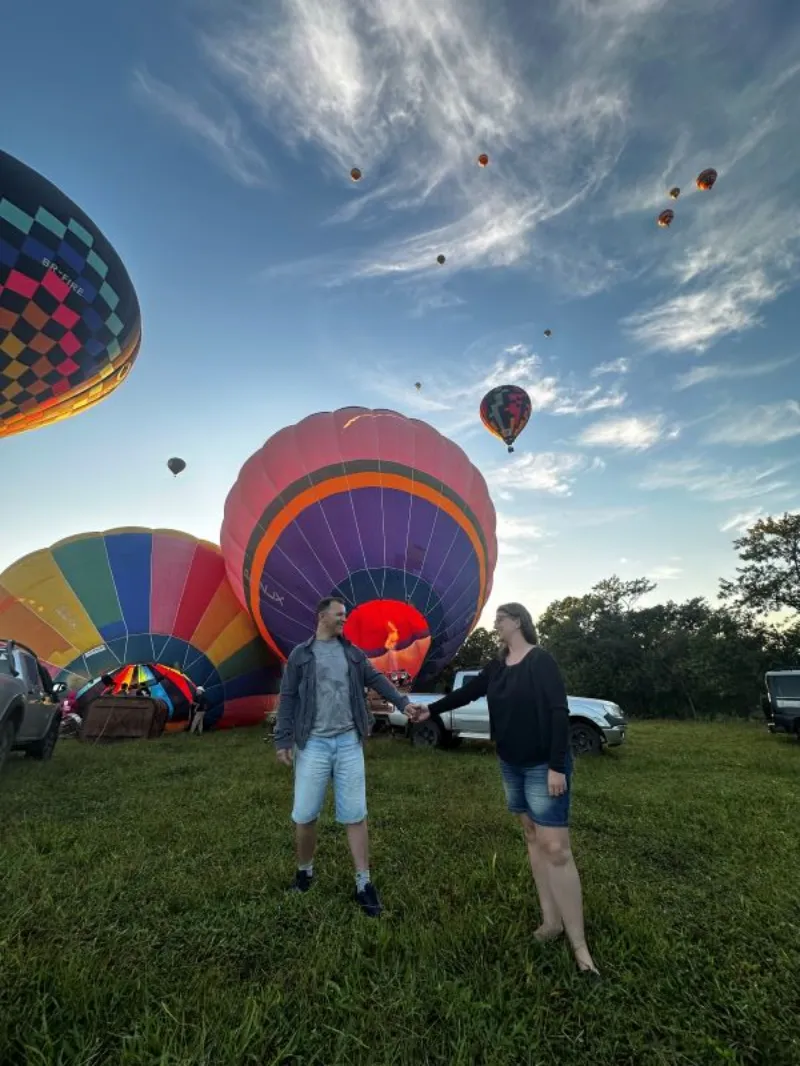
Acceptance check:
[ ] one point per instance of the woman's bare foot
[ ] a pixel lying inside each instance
(545, 933)
(584, 960)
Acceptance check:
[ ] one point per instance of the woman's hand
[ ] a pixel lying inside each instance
(556, 783)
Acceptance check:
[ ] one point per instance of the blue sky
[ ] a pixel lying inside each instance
(214, 150)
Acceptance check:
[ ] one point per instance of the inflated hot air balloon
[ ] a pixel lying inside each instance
(548, 333)
(483, 160)
(176, 465)
(666, 217)
(440, 259)
(505, 411)
(376, 508)
(97, 602)
(706, 178)
(418, 385)
(674, 192)
(70, 325)
(355, 174)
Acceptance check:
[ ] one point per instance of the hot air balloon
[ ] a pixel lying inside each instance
(440, 259)
(355, 174)
(505, 411)
(418, 385)
(674, 192)
(548, 333)
(162, 682)
(706, 178)
(70, 325)
(666, 217)
(176, 465)
(376, 508)
(95, 603)
(483, 160)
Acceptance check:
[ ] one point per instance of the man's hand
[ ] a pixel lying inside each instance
(285, 756)
(556, 783)
(417, 712)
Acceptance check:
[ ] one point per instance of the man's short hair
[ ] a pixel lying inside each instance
(326, 602)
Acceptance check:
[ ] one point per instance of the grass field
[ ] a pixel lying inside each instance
(144, 918)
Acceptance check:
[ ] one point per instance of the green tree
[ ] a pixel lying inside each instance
(769, 580)
(479, 647)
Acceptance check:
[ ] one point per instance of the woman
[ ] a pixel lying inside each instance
(529, 718)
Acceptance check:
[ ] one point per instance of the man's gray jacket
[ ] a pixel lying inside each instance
(298, 699)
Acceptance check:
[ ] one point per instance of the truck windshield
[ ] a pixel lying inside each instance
(5, 661)
(784, 687)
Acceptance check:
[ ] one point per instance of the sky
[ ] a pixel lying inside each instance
(212, 143)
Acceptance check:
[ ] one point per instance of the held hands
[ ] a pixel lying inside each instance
(416, 712)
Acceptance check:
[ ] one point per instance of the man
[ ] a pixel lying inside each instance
(199, 707)
(321, 727)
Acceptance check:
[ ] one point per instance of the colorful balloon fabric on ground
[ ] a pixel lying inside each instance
(163, 683)
(70, 325)
(94, 603)
(505, 411)
(376, 508)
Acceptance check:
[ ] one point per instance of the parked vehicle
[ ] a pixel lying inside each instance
(594, 724)
(30, 712)
(781, 702)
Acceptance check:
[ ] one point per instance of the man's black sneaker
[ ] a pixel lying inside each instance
(303, 880)
(368, 901)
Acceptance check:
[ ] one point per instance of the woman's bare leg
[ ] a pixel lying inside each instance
(551, 926)
(565, 887)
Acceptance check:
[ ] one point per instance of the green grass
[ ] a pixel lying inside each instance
(144, 918)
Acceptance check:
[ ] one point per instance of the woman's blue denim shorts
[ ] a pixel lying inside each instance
(526, 793)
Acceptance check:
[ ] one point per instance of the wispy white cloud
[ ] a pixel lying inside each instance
(765, 424)
(665, 573)
(222, 135)
(632, 433)
(549, 472)
(716, 482)
(616, 366)
(700, 375)
(586, 401)
(516, 535)
(741, 521)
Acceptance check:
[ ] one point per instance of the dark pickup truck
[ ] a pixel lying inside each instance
(781, 701)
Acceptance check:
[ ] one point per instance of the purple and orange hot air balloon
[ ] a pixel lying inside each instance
(505, 411)
(378, 509)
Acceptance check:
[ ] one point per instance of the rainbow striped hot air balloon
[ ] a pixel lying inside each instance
(376, 508)
(98, 602)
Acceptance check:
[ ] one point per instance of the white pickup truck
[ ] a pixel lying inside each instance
(594, 724)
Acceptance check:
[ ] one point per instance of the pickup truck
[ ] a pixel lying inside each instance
(30, 713)
(781, 702)
(594, 724)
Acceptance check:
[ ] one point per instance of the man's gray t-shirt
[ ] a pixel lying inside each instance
(334, 713)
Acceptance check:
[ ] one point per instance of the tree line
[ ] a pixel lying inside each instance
(677, 660)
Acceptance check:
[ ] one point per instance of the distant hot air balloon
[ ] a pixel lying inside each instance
(483, 160)
(355, 174)
(70, 325)
(674, 192)
(97, 602)
(373, 507)
(548, 333)
(706, 178)
(418, 385)
(505, 411)
(440, 259)
(666, 217)
(176, 465)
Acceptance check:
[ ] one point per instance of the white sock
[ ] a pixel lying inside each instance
(308, 868)
(362, 880)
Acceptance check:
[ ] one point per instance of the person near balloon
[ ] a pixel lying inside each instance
(321, 727)
(198, 711)
(529, 717)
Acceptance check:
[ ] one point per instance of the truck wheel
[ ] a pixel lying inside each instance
(43, 749)
(584, 739)
(7, 733)
(427, 734)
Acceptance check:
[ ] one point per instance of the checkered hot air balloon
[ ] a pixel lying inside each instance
(505, 411)
(70, 325)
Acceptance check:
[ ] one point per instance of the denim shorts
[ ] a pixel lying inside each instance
(526, 793)
(339, 759)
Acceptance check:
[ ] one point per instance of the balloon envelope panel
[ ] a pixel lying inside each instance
(374, 507)
(97, 602)
(70, 325)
